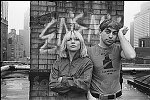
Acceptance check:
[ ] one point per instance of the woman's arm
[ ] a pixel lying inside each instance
(55, 80)
(82, 83)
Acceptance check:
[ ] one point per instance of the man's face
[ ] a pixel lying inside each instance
(108, 36)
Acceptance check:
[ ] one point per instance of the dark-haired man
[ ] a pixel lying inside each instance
(106, 56)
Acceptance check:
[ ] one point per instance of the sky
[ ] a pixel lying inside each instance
(16, 10)
(131, 8)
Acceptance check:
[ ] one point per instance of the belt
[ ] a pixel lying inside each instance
(113, 96)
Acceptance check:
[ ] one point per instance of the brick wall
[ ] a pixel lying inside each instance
(49, 21)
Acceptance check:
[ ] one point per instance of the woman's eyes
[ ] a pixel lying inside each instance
(68, 39)
(76, 39)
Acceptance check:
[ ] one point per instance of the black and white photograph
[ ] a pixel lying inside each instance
(75, 50)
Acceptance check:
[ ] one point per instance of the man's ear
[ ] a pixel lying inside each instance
(100, 30)
(99, 33)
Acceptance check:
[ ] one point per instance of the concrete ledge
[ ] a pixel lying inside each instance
(15, 67)
(22, 67)
(3, 68)
(6, 70)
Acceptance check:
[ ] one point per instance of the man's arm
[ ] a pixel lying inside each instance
(128, 51)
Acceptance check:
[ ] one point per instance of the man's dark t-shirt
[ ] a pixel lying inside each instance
(106, 71)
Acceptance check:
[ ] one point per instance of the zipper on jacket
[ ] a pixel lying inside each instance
(69, 68)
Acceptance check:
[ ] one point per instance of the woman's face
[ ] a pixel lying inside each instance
(73, 43)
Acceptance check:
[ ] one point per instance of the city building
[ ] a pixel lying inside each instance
(144, 42)
(132, 34)
(143, 51)
(22, 56)
(142, 23)
(140, 34)
(4, 30)
(26, 34)
(16, 47)
(142, 55)
(11, 45)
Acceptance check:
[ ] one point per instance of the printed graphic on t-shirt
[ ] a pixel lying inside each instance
(107, 62)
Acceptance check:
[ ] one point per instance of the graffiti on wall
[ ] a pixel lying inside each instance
(67, 25)
(53, 26)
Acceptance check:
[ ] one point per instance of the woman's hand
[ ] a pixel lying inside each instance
(64, 78)
(59, 79)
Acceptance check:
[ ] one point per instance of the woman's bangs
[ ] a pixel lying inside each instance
(68, 36)
(76, 36)
(79, 36)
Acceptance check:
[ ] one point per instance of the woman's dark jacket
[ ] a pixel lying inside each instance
(76, 75)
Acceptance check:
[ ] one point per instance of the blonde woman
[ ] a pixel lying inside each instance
(71, 74)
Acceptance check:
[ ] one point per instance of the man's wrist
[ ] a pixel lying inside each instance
(120, 35)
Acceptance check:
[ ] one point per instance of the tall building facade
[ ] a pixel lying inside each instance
(4, 30)
(144, 42)
(132, 34)
(22, 56)
(19, 48)
(141, 36)
(142, 23)
(26, 34)
(12, 45)
(4, 10)
(16, 48)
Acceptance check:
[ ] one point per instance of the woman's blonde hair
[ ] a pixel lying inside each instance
(63, 46)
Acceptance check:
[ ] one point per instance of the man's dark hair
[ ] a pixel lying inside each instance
(109, 23)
